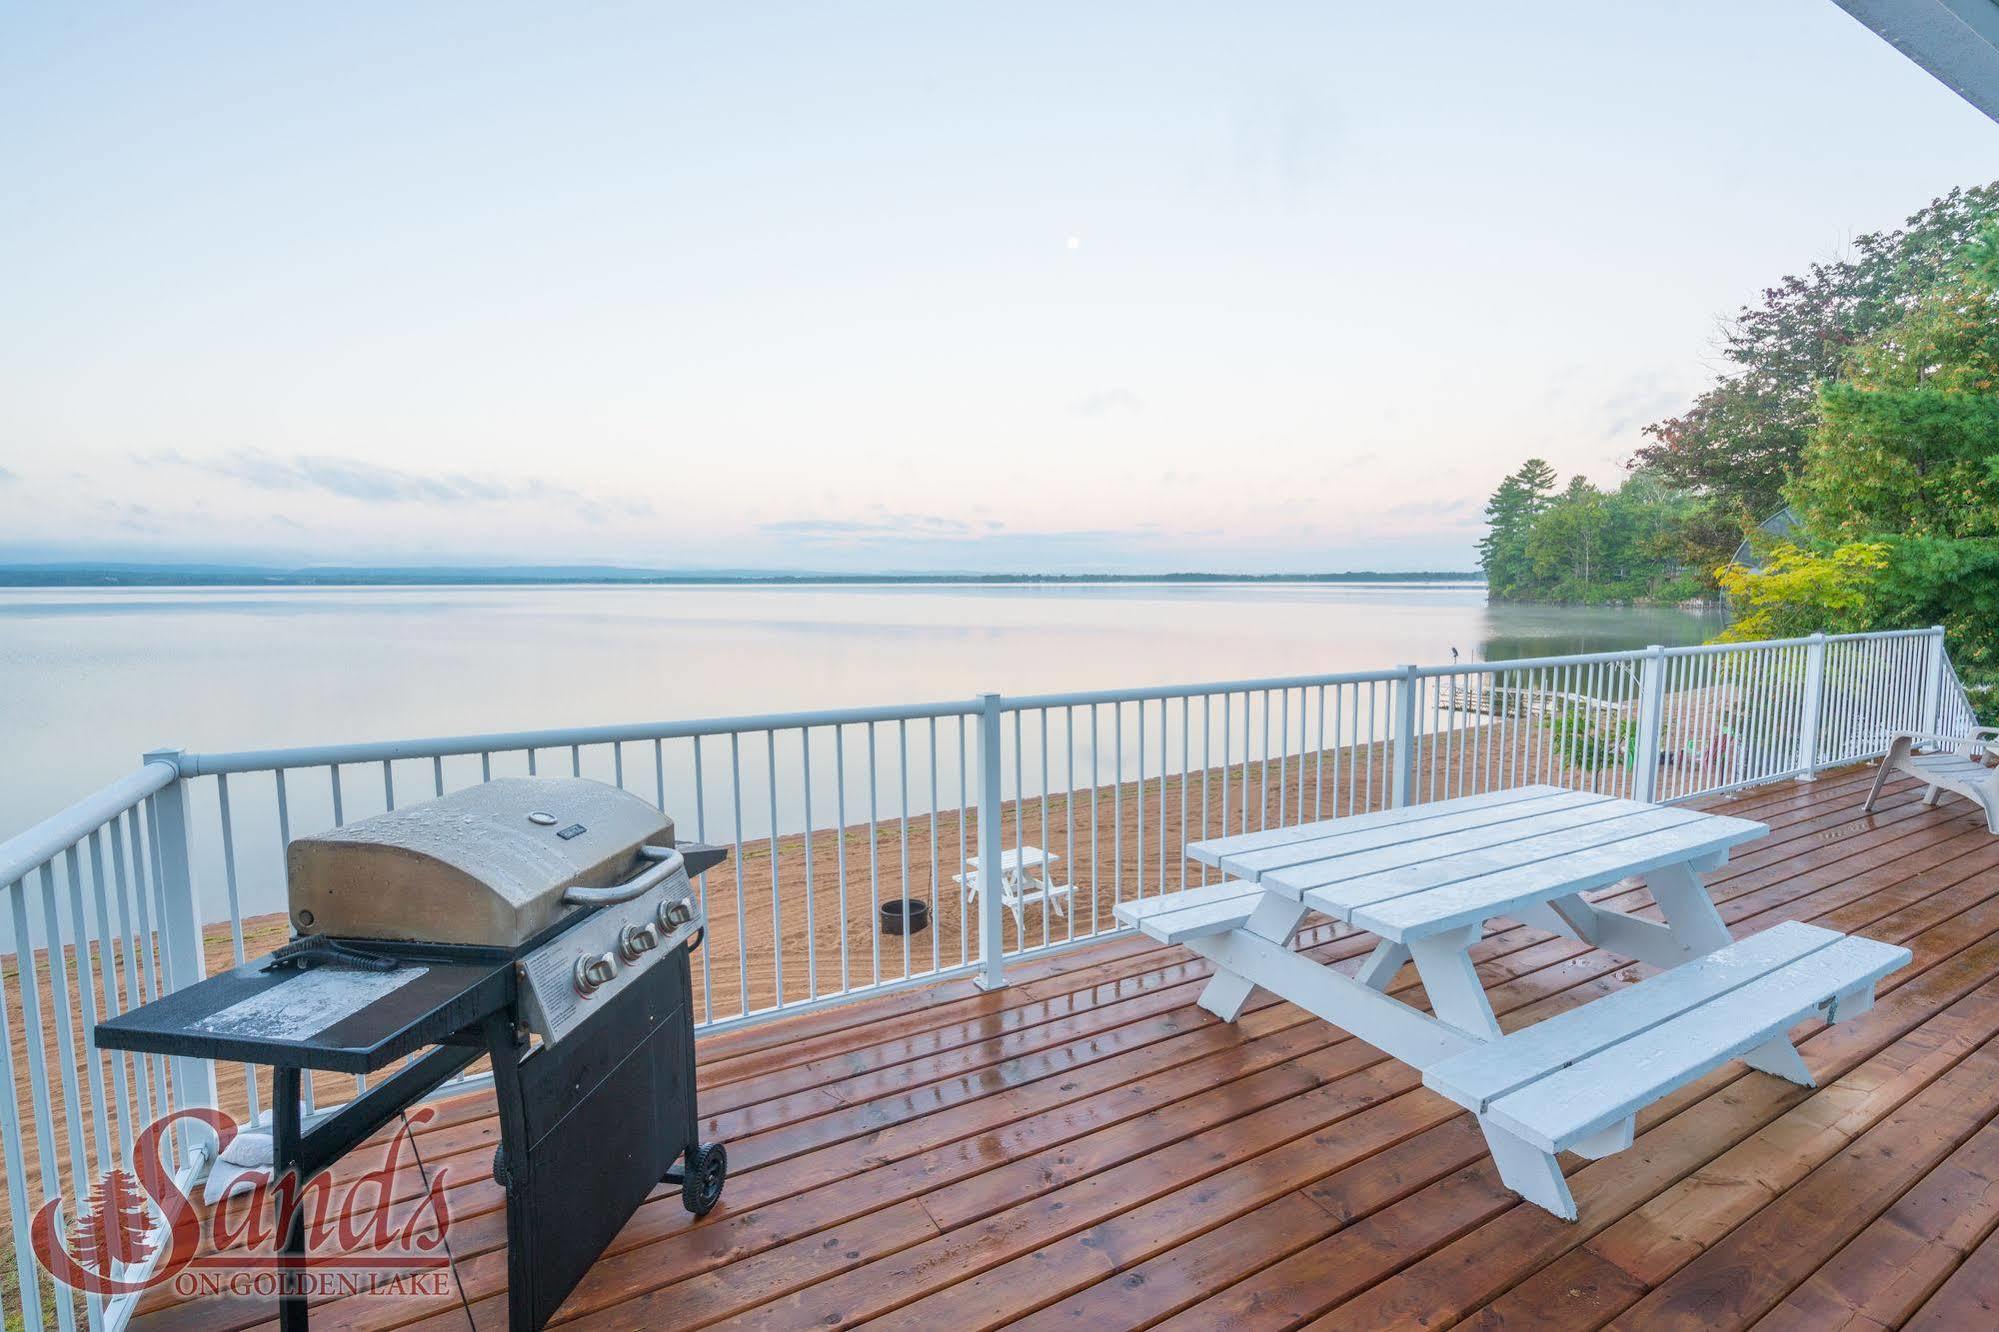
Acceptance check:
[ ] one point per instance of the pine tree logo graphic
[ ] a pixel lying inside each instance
(115, 1229)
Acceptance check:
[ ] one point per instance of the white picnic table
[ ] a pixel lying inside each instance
(1023, 878)
(1426, 879)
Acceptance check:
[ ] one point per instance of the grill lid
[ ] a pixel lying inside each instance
(486, 865)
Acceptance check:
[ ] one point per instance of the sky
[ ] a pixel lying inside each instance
(1114, 287)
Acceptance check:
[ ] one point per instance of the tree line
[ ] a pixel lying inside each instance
(1583, 545)
(1864, 395)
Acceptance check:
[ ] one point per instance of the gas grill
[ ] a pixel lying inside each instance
(545, 923)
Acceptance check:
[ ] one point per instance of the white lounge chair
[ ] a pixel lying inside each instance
(1959, 764)
(1023, 878)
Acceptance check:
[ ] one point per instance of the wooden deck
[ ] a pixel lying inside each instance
(1088, 1149)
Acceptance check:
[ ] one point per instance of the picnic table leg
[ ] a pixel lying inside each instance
(1382, 964)
(1607, 1142)
(1698, 928)
(1530, 1172)
(1456, 996)
(1781, 1059)
(1276, 919)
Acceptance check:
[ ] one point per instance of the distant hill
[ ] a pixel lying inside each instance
(224, 575)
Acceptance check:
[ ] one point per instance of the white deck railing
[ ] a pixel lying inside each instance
(179, 868)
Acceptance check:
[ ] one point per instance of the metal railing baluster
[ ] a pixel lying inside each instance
(874, 861)
(701, 892)
(41, 1091)
(1138, 805)
(936, 930)
(98, 1129)
(1047, 928)
(840, 803)
(1069, 818)
(742, 914)
(1186, 779)
(235, 914)
(1117, 805)
(11, 1154)
(1096, 792)
(964, 845)
(902, 825)
(776, 893)
(109, 956)
(128, 940)
(811, 926)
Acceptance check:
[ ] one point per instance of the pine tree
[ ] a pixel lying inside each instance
(1510, 515)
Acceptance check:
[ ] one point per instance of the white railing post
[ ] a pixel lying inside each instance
(1403, 775)
(1931, 717)
(180, 937)
(992, 939)
(1651, 712)
(1808, 722)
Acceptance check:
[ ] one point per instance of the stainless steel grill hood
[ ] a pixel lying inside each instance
(486, 865)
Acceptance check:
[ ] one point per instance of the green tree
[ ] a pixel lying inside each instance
(1509, 516)
(1906, 454)
(1802, 591)
(1566, 543)
(1585, 544)
(1909, 442)
(1741, 441)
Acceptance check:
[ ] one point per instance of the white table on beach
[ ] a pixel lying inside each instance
(1426, 879)
(1023, 878)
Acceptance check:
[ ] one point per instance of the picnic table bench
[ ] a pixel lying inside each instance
(1425, 879)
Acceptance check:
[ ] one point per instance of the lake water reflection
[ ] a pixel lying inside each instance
(91, 678)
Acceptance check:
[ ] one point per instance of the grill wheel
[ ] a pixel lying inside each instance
(707, 1170)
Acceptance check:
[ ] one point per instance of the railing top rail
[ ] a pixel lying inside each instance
(314, 756)
(1639, 654)
(56, 834)
(1713, 649)
(1027, 702)
(1529, 663)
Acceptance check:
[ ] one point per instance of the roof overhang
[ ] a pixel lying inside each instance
(1956, 40)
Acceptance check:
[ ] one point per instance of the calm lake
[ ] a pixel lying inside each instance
(91, 678)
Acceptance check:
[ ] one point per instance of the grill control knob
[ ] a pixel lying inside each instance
(635, 941)
(672, 915)
(593, 973)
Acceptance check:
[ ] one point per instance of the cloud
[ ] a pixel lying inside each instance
(1287, 140)
(890, 525)
(910, 535)
(133, 517)
(1437, 508)
(349, 478)
(372, 483)
(6, 476)
(1107, 402)
(1641, 400)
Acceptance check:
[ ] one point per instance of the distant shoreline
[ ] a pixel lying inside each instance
(121, 575)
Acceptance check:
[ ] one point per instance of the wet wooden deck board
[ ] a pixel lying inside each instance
(1087, 1148)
